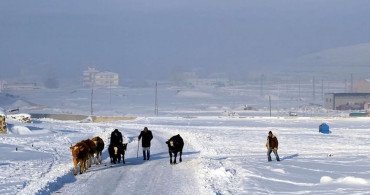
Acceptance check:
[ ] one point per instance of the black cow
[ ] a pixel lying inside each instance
(175, 145)
(115, 153)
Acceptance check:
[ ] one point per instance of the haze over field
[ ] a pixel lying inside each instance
(155, 39)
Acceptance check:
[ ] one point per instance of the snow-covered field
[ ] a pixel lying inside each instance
(222, 154)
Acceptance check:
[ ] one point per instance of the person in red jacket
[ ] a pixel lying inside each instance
(147, 137)
(272, 145)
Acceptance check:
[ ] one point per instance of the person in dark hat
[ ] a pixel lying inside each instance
(272, 146)
(116, 138)
(146, 136)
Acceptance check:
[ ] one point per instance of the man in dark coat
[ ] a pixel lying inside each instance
(272, 145)
(147, 137)
(116, 138)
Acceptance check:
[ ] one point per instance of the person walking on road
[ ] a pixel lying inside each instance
(146, 136)
(272, 145)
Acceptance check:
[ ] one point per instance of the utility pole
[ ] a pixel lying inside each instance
(299, 89)
(322, 89)
(110, 92)
(270, 104)
(351, 83)
(313, 88)
(156, 99)
(262, 77)
(91, 105)
(92, 94)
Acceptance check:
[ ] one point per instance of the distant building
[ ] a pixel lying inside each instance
(93, 77)
(106, 79)
(207, 82)
(19, 86)
(2, 83)
(89, 77)
(346, 101)
(367, 106)
(362, 86)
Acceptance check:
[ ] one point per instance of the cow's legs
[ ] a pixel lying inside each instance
(83, 165)
(180, 155)
(86, 162)
(86, 167)
(81, 162)
(170, 157)
(97, 158)
(75, 165)
(90, 159)
(175, 155)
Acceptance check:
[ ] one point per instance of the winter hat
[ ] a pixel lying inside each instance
(145, 128)
(270, 132)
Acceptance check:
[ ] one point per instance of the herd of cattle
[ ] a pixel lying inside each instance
(86, 151)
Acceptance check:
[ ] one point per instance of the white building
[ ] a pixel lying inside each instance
(106, 79)
(93, 77)
(2, 83)
(89, 77)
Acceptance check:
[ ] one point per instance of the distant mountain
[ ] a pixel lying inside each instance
(10, 102)
(333, 63)
(7, 99)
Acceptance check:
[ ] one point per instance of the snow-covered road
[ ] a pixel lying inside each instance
(137, 176)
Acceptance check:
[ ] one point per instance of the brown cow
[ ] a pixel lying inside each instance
(99, 143)
(92, 151)
(80, 154)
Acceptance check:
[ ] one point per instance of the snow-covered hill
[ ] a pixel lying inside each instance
(333, 63)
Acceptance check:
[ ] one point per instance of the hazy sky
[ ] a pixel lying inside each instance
(152, 39)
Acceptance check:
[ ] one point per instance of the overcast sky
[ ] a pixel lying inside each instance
(152, 39)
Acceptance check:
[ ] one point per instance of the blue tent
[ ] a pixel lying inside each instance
(324, 128)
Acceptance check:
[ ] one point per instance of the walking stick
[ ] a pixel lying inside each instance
(137, 153)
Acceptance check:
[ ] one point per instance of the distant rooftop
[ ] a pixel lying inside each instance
(107, 73)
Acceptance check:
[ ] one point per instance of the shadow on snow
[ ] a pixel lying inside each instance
(289, 157)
